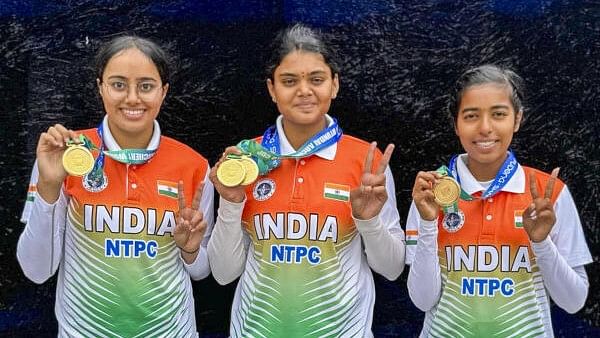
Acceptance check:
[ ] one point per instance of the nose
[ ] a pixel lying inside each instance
(485, 125)
(304, 88)
(132, 95)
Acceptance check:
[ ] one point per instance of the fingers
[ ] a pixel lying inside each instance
(180, 196)
(58, 135)
(533, 186)
(49, 139)
(196, 219)
(197, 196)
(369, 158)
(231, 150)
(201, 227)
(385, 159)
(550, 185)
(425, 180)
(373, 180)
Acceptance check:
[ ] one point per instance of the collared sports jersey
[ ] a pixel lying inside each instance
(491, 284)
(121, 274)
(306, 273)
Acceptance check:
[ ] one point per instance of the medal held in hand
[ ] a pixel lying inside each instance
(237, 170)
(77, 159)
(250, 168)
(446, 192)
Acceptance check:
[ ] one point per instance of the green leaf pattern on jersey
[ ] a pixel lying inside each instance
(120, 296)
(519, 315)
(301, 300)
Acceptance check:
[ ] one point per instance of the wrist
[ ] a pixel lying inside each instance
(189, 252)
(235, 198)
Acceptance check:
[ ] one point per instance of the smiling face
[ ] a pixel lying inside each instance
(132, 93)
(303, 87)
(485, 125)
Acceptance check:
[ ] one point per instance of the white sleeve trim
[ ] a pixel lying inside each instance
(424, 278)
(567, 286)
(383, 237)
(226, 249)
(40, 246)
(200, 267)
(567, 233)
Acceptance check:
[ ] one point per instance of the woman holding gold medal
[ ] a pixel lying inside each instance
(304, 236)
(490, 241)
(118, 224)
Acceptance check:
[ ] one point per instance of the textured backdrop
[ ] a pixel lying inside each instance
(398, 61)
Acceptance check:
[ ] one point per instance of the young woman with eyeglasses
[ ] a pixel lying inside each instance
(120, 233)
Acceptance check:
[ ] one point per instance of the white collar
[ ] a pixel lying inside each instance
(470, 185)
(286, 148)
(111, 144)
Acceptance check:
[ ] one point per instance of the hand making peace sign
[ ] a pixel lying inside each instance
(190, 225)
(539, 217)
(368, 199)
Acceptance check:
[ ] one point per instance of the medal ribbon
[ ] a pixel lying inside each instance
(506, 172)
(267, 155)
(127, 156)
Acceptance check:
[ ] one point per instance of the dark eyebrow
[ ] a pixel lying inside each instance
(141, 79)
(316, 72)
(473, 109)
(288, 75)
(469, 110)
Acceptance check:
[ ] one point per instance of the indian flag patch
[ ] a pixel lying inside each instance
(338, 192)
(31, 192)
(519, 218)
(167, 188)
(411, 237)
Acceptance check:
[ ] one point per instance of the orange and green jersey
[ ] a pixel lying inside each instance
(306, 273)
(491, 284)
(121, 274)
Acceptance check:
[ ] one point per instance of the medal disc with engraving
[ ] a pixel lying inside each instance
(77, 160)
(231, 173)
(251, 169)
(446, 191)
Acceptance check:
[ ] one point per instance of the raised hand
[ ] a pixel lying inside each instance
(368, 199)
(50, 148)
(423, 196)
(232, 194)
(539, 217)
(190, 225)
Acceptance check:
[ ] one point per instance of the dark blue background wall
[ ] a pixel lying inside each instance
(398, 62)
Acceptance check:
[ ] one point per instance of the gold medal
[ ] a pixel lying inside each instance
(77, 160)
(231, 173)
(446, 191)
(251, 169)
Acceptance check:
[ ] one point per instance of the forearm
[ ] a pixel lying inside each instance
(226, 250)
(198, 266)
(424, 278)
(567, 287)
(39, 249)
(385, 250)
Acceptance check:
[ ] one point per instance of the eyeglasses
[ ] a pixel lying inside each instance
(145, 90)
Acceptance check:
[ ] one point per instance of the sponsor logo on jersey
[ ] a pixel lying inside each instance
(264, 189)
(94, 182)
(338, 192)
(453, 221)
(291, 226)
(121, 220)
(487, 259)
